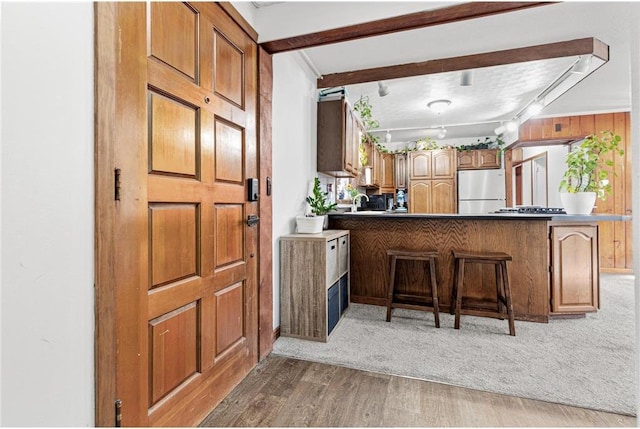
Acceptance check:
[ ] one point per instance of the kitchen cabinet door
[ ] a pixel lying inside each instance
(420, 196)
(387, 171)
(401, 171)
(443, 164)
(419, 165)
(443, 196)
(575, 274)
(338, 139)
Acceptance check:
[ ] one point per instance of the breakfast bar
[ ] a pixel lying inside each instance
(554, 271)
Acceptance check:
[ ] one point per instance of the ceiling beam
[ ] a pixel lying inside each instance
(569, 48)
(410, 21)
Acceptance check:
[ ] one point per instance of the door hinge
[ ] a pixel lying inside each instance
(118, 410)
(116, 182)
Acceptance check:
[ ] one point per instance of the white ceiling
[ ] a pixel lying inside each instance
(497, 92)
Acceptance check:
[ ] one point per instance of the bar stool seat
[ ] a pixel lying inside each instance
(428, 256)
(503, 289)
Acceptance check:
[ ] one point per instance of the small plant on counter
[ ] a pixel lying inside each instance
(318, 201)
(586, 171)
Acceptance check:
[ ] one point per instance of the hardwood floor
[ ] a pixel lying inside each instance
(284, 392)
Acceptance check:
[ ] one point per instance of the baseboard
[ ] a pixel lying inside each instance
(276, 333)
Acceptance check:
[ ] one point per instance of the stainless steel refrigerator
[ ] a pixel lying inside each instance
(481, 191)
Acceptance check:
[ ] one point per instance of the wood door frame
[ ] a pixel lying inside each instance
(106, 133)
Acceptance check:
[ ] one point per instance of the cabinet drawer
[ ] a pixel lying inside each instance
(343, 254)
(332, 261)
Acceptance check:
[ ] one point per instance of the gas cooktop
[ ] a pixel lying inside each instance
(532, 210)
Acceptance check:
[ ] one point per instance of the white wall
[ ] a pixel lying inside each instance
(556, 156)
(294, 150)
(47, 214)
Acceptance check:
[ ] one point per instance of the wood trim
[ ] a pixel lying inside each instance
(583, 46)
(105, 299)
(276, 334)
(412, 21)
(265, 288)
(239, 19)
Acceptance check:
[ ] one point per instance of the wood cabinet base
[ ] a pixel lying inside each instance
(527, 241)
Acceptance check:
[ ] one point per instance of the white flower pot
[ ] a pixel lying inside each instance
(309, 225)
(579, 203)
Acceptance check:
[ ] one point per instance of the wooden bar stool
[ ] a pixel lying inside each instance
(427, 256)
(503, 290)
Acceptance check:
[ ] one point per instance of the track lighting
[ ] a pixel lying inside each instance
(442, 133)
(383, 89)
(387, 137)
(466, 78)
(582, 65)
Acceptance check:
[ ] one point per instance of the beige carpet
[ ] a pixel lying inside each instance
(581, 362)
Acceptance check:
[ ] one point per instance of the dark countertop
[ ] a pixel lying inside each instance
(488, 216)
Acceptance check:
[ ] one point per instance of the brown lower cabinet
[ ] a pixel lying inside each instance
(554, 272)
(432, 196)
(574, 269)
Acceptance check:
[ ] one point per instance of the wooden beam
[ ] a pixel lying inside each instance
(584, 46)
(406, 22)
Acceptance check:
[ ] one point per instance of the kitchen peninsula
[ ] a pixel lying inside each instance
(554, 272)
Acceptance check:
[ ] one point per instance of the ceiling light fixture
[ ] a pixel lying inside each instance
(581, 66)
(466, 78)
(501, 129)
(383, 89)
(387, 137)
(439, 106)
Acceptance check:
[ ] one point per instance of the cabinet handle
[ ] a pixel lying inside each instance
(333, 247)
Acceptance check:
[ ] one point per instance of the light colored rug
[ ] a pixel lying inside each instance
(581, 362)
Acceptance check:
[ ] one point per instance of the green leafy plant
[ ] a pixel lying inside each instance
(318, 201)
(487, 143)
(586, 170)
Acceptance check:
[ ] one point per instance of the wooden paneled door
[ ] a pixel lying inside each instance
(176, 101)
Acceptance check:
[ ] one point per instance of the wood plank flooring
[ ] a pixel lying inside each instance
(284, 392)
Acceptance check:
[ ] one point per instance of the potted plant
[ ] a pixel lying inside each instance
(587, 175)
(314, 221)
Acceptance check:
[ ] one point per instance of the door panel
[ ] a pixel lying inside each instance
(174, 37)
(174, 148)
(186, 323)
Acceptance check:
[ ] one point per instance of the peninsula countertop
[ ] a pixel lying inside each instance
(487, 216)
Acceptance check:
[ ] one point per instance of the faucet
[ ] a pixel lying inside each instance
(355, 199)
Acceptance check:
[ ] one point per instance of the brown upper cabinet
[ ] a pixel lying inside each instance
(432, 164)
(387, 173)
(400, 172)
(339, 134)
(478, 159)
